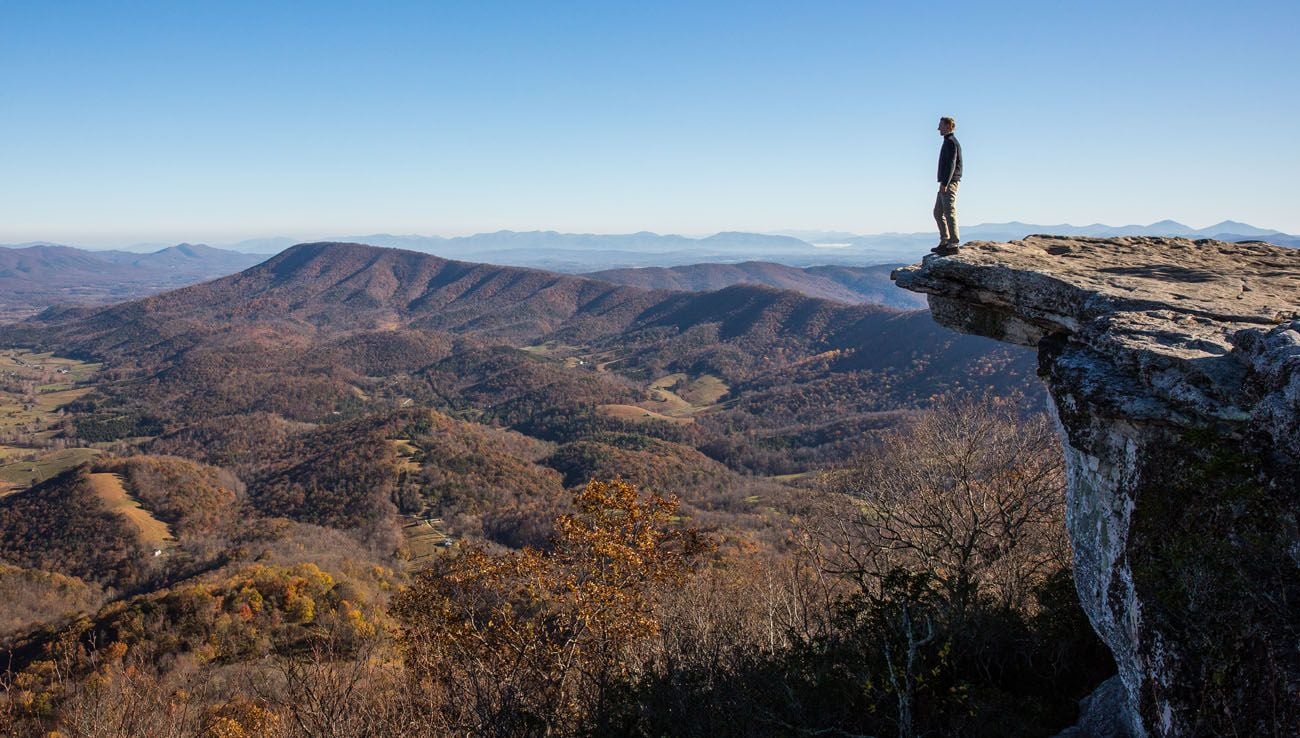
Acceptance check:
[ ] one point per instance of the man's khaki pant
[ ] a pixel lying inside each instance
(945, 214)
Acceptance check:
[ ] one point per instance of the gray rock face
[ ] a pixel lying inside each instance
(1174, 367)
(1101, 714)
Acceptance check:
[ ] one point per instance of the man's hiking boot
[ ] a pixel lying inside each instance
(948, 249)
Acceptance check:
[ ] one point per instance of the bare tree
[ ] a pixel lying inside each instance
(961, 507)
(338, 690)
(969, 493)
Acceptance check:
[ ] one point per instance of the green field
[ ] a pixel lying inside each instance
(22, 474)
(58, 381)
(679, 395)
(35, 387)
(76, 371)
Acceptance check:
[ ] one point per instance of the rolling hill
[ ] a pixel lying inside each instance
(331, 331)
(274, 453)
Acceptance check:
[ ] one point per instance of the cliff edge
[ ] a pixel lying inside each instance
(1174, 369)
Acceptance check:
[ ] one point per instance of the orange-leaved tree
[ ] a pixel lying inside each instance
(537, 642)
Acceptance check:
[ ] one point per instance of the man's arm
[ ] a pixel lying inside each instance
(947, 163)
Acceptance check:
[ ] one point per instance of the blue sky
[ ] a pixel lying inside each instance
(215, 121)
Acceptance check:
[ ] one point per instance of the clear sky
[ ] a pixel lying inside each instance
(215, 120)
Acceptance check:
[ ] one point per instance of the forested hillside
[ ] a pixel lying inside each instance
(283, 468)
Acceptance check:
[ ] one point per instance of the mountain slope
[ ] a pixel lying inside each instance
(841, 283)
(325, 288)
(326, 332)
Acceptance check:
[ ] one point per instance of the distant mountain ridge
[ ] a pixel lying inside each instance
(908, 247)
(1017, 229)
(298, 334)
(320, 288)
(841, 283)
(36, 276)
(587, 252)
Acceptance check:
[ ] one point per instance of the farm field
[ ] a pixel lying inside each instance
(675, 398)
(423, 539)
(637, 413)
(16, 473)
(33, 386)
(77, 371)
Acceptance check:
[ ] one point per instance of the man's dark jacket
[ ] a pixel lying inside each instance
(950, 160)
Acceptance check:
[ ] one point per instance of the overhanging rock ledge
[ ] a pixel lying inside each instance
(1174, 370)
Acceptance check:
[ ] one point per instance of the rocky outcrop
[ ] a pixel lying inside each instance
(1174, 369)
(1097, 713)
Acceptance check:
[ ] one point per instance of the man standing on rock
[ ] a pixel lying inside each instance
(945, 204)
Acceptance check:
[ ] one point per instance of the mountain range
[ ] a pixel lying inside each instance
(330, 287)
(852, 284)
(588, 252)
(585, 252)
(213, 476)
(36, 275)
(299, 334)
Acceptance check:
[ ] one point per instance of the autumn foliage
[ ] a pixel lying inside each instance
(533, 641)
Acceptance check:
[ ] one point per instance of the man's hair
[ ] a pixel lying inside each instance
(950, 121)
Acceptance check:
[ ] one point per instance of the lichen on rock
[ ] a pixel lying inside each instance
(1174, 370)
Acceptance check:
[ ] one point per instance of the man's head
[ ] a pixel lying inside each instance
(947, 125)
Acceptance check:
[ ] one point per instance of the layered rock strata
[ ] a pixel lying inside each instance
(1174, 369)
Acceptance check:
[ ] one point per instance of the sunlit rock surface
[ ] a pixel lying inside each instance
(1174, 366)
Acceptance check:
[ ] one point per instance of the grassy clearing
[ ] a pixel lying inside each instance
(423, 539)
(639, 414)
(154, 533)
(21, 474)
(668, 381)
(406, 451)
(678, 396)
(669, 403)
(15, 413)
(65, 370)
(551, 349)
(31, 414)
(705, 390)
(55, 399)
(57, 381)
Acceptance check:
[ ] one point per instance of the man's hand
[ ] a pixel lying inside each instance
(943, 188)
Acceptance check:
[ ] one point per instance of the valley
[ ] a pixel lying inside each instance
(37, 276)
(341, 420)
(714, 396)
